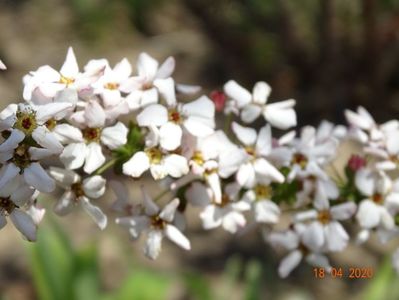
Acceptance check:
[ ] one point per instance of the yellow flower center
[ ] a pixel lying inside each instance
(50, 124)
(157, 222)
(67, 81)
(26, 121)
(250, 150)
(299, 159)
(324, 217)
(111, 86)
(263, 191)
(154, 154)
(198, 158)
(174, 116)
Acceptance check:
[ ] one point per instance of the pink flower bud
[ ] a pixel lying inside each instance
(219, 98)
(356, 162)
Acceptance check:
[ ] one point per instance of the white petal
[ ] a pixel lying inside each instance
(55, 110)
(250, 113)
(155, 114)
(246, 175)
(365, 182)
(167, 68)
(176, 165)
(233, 221)
(288, 239)
(66, 133)
(170, 136)
(94, 186)
(2, 66)
(74, 155)
(137, 164)
(343, 211)
(94, 158)
(261, 92)
(37, 177)
(199, 127)
(47, 139)
(70, 67)
(264, 168)
(8, 172)
(94, 115)
(65, 204)
(264, 141)
(24, 223)
(313, 236)
(234, 91)
(198, 195)
(202, 107)
(12, 141)
(358, 120)
(246, 135)
(282, 118)
(94, 212)
(336, 236)
(289, 263)
(115, 136)
(147, 66)
(368, 214)
(267, 212)
(168, 212)
(211, 218)
(177, 237)
(153, 244)
(151, 209)
(166, 88)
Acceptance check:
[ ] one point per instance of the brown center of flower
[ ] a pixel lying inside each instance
(250, 150)
(324, 217)
(111, 86)
(26, 121)
(263, 191)
(154, 154)
(6, 205)
(51, 123)
(21, 157)
(299, 159)
(157, 222)
(92, 134)
(77, 189)
(377, 198)
(174, 116)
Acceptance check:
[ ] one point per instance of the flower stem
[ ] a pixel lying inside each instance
(159, 196)
(105, 167)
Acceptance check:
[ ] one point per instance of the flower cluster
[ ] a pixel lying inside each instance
(76, 124)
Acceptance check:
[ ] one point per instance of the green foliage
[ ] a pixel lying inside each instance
(286, 191)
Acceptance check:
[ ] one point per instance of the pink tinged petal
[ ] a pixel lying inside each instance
(264, 168)
(74, 155)
(233, 221)
(168, 212)
(151, 209)
(52, 110)
(47, 139)
(94, 212)
(66, 134)
(3, 221)
(123, 69)
(65, 204)
(167, 68)
(198, 195)
(246, 135)
(176, 165)
(153, 244)
(177, 237)
(170, 136)
(313, 236)
(2, 66)
(155, 114)
(267, 211)
(94, 115)
(8, 172)
(94, 158)
(368, 214)
(12, 141)
(279, 116)
(166, 88)
(289, 263)
(264, 141)
(246, 175)
(261, 92)
(136, 165)
(115, 136)
(288, 240)
(234, 91)
(111, 98)
(250, 113)
(70, 67)
(37, 177)
(147, 66)
(24, 223)
(343, 211)
(94, 186)
(336, 236)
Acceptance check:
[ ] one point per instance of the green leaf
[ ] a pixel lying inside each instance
(253, 277)
(197, 286)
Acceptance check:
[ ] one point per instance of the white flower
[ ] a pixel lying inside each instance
(280, 114)
(381, 198)
(157, 223)
(265, 210)
(324, 231)
(253, 167)
(79, 192)
(13, 196)
(51, 81)
(196, 117)
(293, 240)
(228, 213)
(87, 151)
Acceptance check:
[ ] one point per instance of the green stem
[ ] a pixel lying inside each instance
(105, 167)
(163, 193)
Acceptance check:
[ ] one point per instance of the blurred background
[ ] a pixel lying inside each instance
(327, 54)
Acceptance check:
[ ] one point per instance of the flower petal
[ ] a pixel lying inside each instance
(37, 177)
(24, 223)
(177, 237)
(94, 212)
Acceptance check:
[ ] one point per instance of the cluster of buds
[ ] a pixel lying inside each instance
(71, 131)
